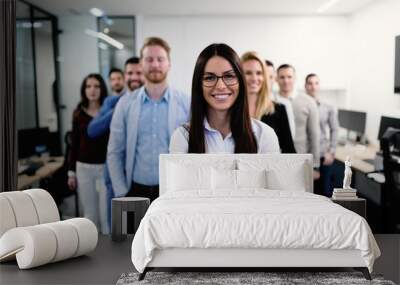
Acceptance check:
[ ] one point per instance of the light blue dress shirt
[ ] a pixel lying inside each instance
(124, 133)
(152, 140)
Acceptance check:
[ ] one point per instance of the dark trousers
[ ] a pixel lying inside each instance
(324, 185)
(140, 190)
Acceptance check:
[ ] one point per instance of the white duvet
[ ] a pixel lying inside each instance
(252, 218)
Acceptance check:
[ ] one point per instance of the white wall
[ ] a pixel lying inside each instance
(372, 32)
(78, 58)
(311, 44)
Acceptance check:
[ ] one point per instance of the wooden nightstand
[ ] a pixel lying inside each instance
(358, 205)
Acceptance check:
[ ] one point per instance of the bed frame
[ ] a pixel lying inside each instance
(244, 259)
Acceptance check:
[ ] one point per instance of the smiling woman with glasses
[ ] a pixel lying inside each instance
(210, 79)
(220, 121)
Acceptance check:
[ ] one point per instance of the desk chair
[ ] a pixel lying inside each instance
(390, 143)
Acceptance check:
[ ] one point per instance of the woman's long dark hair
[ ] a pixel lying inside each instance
(242, 133)
(84, 103)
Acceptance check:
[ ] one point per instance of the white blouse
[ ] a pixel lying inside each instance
(267, 140)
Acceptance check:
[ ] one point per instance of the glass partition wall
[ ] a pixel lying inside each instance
(114, 53)
(37, 72)
(26, 103)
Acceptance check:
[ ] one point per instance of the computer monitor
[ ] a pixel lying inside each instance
(352, 120)
(387, 122)
(31, 140)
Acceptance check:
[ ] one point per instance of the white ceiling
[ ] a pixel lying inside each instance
(201, 7)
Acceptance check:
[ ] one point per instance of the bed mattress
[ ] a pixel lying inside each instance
(251, 218)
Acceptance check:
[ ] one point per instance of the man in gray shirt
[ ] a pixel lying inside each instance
(304, 114)
(328, 122)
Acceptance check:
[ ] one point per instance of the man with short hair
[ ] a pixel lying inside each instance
(328, 122)
(286, 76)
(117, 83)
(133, 73)
(143, 123)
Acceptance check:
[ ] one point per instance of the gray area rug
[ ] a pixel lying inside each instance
(229, 278)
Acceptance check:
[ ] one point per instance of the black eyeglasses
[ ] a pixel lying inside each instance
(210, 80)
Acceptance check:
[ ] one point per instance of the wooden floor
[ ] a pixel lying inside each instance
(106, 264)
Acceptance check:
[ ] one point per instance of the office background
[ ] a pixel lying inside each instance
(351, 46)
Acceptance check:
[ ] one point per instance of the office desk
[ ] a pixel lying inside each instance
(25, 181)
(366, 187)
(358, 153)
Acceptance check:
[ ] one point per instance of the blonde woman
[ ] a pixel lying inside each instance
(261, 106)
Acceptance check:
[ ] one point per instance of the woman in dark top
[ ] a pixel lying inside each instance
(261, 106)
(87, 156)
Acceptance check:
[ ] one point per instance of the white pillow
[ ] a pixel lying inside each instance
(280, 180)
(251, 178)
(223, 179)
(226, 179)
(182, 177)
(283, 173)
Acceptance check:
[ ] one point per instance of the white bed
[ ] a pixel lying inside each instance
(242, 210)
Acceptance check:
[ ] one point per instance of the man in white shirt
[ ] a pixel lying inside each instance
(286, 78)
